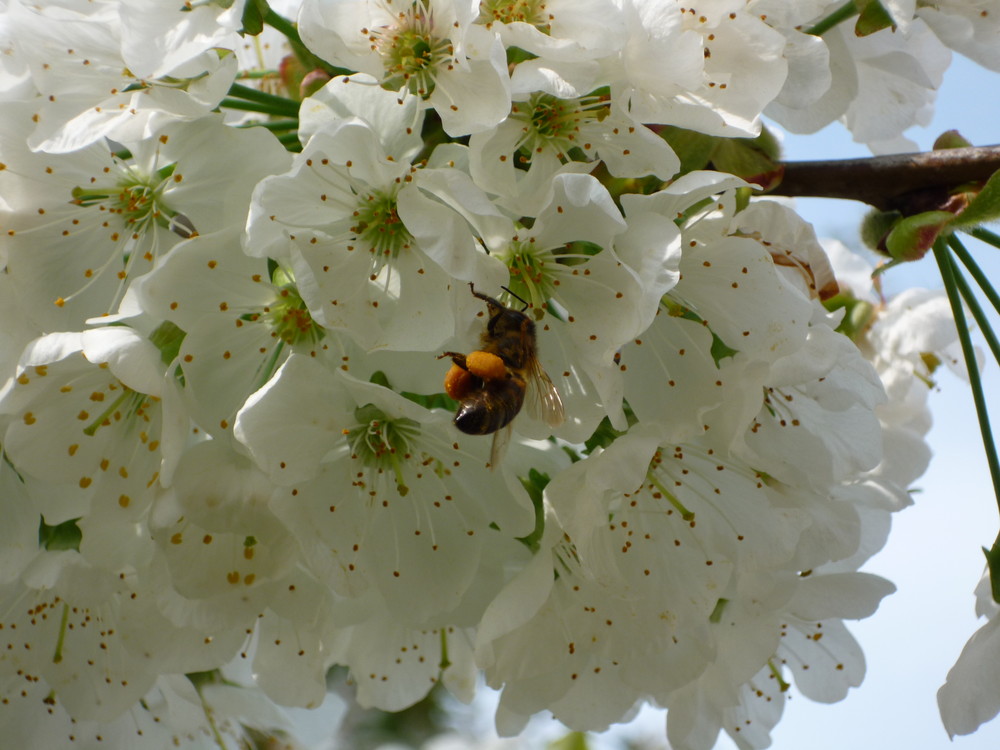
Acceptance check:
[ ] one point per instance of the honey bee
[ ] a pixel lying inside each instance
(493, 383)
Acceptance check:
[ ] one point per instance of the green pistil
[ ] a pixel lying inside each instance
(137, 199)
(58, 655)
(290, 319)
(531, 276)
(686, 514)
(782, 685)
(382, 443)
(413, 54)
(515, 11)
(554, 124)
(379, 228)
(445, 661)
(135, 401)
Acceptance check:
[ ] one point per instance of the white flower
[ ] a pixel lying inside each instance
(157, 38)
(235, 324)
(381, 495)
(966, 26)
(882, 84)
(702, 364)
(87, 90)
(375, 243)
(970, 695)
(431, 48)
(96, 638)
(725, 65)
(86, 418)
(394, 665)
(84, 224)
(544, 132)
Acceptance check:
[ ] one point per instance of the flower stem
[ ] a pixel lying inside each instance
(308, 59)
(271, 103)
(272, 125)
(977, 312)
(977, 273)
(984, 234)
(841, 14)
(948, 275)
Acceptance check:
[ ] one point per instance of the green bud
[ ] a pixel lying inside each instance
(950, 139)
(876, 226)
(912, 237)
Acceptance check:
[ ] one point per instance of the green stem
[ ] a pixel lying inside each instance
(306, 57)
(256, 75)
(975, 270)
(274, 103)
(272, 125)
(990, 238)
(948, 274)
(977, 312)
(287, 138)
(841, 14)
(246, 106)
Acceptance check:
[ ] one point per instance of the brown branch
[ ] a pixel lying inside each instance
(906, 182)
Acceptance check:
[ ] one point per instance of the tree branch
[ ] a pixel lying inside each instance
(906, 182)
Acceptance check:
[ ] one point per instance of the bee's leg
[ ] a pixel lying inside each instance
(458, 359)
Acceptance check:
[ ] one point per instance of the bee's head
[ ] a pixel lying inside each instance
(504, 320)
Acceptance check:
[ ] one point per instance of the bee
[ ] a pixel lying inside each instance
(493, 383)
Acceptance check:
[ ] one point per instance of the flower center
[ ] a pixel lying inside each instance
(136, 198)
(382, 443)
(552, 124)
(378, 226)
(511, 11)
(532, 273)
(289, 316)
(412, 53)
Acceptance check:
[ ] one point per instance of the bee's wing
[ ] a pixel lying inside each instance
(542, 398)
(500, 440)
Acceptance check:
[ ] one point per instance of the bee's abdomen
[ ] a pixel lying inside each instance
(491, 407)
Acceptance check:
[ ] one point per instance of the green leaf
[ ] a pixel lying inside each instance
(66, 535)
(603, 436)
(984, 207)
(168, 338)
(692, 148)
(913, 236)
(743, 158)
(535, 484)
(720, 350)
(872, 17)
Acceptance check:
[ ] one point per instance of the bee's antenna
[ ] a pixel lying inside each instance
(519, 299)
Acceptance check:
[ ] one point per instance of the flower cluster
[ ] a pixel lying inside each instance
(228, 461)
